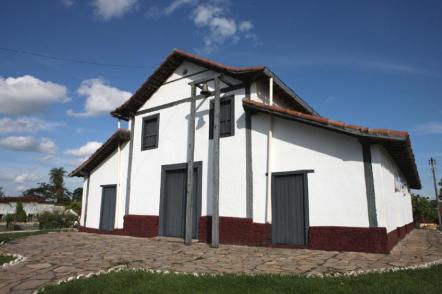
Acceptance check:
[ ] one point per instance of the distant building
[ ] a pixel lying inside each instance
(32, 205)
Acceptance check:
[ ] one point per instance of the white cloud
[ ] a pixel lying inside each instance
(18, 179)
(430, 128)
(101, 98)
(156, 12)
(84, 151)
(223, 27)
(46, 158)
(22, 178)
(77, 161)
(30, 125)
(219, 27)
(28, 143)
(204, 13)
(107, 9)
(213, 19)
(177, 4)
(27, 94)
(245, 26)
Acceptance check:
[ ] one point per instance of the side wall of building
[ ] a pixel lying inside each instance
(337, 194)
(393, 198)
(107, 174)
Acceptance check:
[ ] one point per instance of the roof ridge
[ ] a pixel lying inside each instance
(218, 64)
(175, 58)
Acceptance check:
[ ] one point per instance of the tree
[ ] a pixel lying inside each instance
(20, 213)
(44, 190)
(2, 193)
(440, 191)
(77, 194)
(55, 190)
(424, 210)
(56, 177)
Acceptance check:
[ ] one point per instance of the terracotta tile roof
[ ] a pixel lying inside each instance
(169, 65)
(213, 64)
(120, 136)
(23, 199)
(397, 143)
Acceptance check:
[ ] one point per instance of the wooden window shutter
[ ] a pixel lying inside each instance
(226, 117)
(150, 131)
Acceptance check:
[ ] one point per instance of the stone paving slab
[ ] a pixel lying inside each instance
(54, 256)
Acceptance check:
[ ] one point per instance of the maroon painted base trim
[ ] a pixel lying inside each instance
(134, 225)
(236, 231)
(243, 231)
(348, 239)
(371, 240)
(239, 231)
(141, 225)
(396, 235)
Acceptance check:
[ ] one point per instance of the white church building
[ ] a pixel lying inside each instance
(232, 155)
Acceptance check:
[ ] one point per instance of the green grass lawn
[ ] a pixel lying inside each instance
(411, 281)
(11, 236)
(6, 259)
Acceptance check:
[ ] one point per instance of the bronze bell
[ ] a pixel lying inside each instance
(205, 90)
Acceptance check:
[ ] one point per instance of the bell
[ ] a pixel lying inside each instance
(205, 90)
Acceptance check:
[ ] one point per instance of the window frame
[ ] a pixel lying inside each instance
(231, 99)
(143, 130)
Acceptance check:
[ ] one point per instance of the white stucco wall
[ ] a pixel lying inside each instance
(393, 207)
(172, 149)
(337, 195)
(33, 208)
(106, 174)
(176, 87)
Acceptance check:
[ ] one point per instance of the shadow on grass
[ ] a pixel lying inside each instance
(6, 237)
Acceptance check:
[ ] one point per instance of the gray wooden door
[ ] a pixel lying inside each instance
(107, 214)
(289, 209)
(173, 213)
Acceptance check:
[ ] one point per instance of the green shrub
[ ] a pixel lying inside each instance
(20, 214)
(56, 220)
(424, 209)
(10, 218)
(75, 206)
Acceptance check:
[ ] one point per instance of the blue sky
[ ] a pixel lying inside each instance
(373, 63)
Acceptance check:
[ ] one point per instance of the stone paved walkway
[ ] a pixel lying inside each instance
(54, 256)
